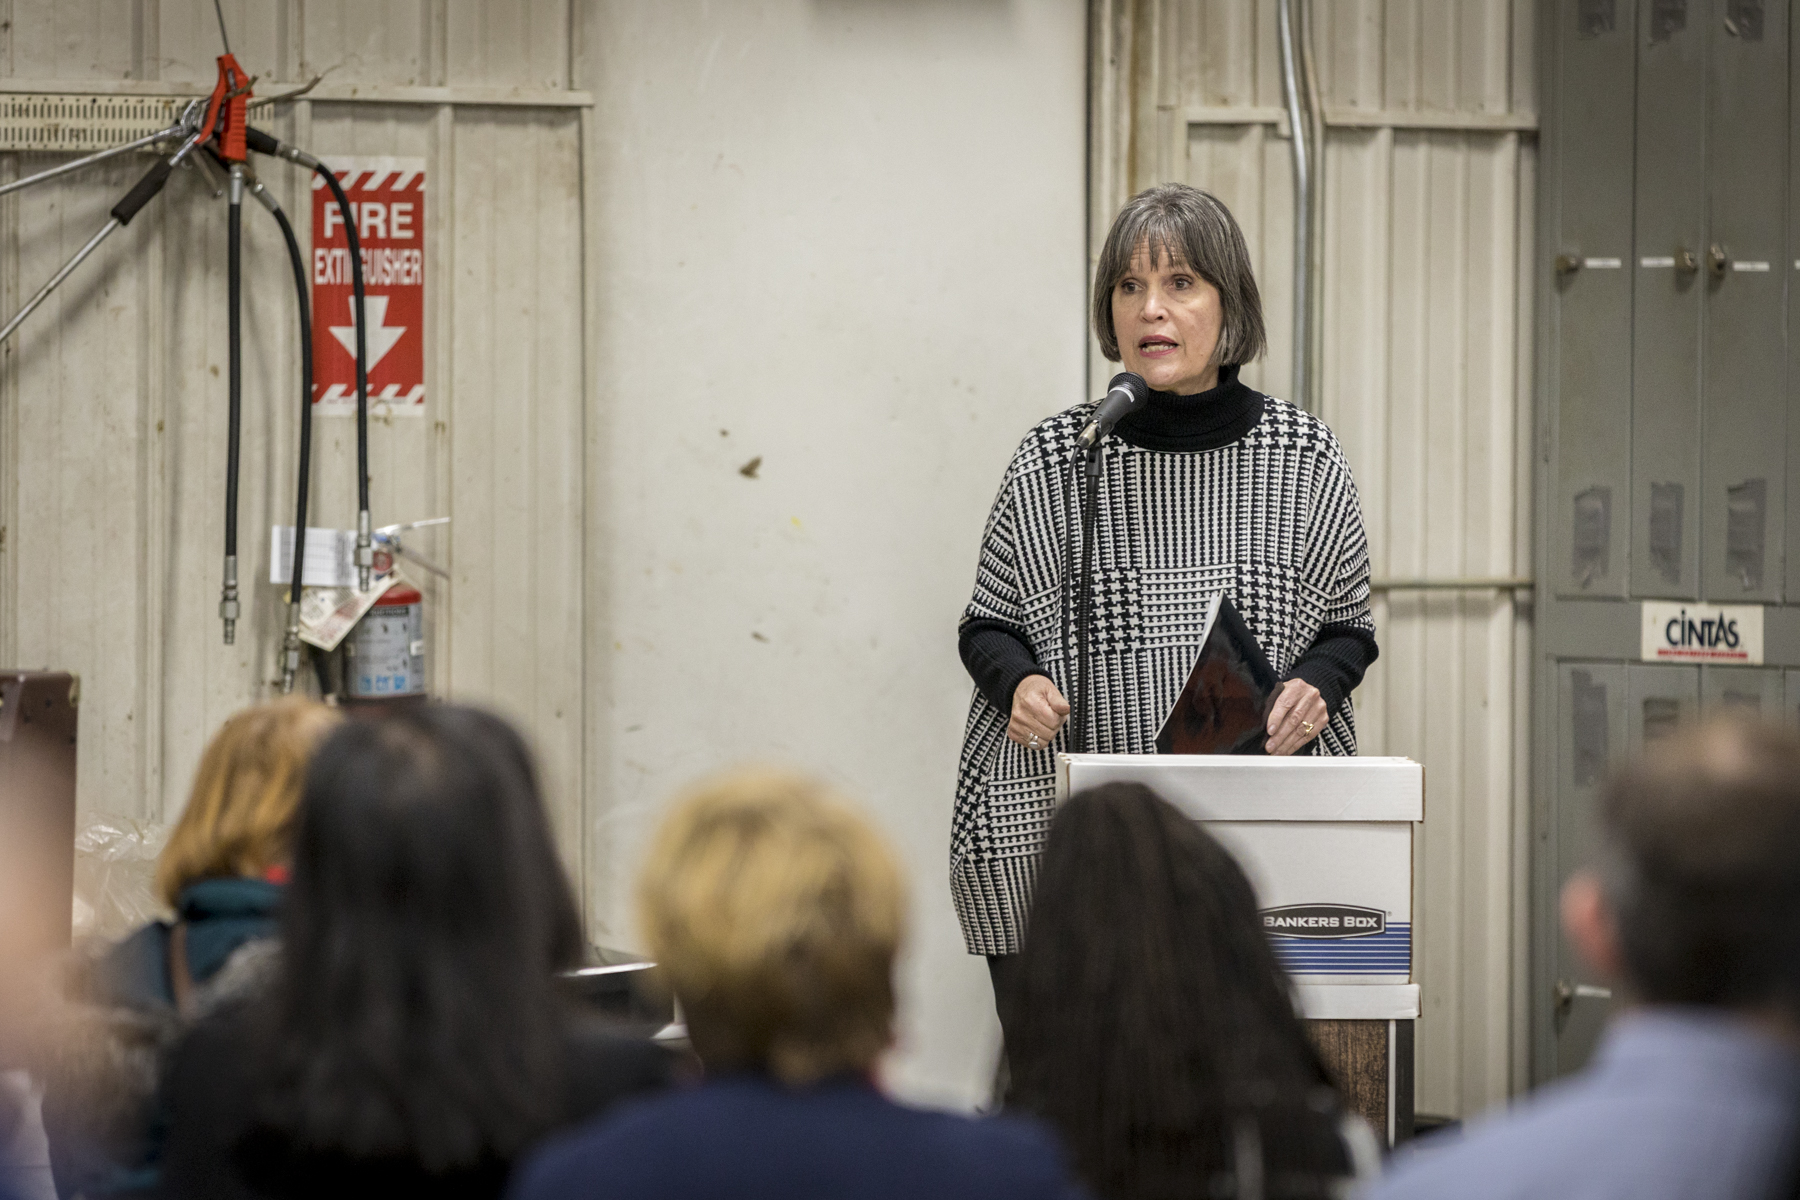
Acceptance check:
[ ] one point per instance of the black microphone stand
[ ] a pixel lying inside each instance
(1084, 618)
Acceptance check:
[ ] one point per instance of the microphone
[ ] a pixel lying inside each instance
(1124, 395)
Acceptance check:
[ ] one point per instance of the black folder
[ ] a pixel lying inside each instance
(1224, 706)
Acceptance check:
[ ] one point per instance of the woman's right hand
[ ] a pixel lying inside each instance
(1038, 711)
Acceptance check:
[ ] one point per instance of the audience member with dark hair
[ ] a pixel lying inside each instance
(1692, 910)
(1150, 1022)
(775, 914)
(221, 873)
(413, 1042)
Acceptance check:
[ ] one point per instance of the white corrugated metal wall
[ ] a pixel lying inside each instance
(664, 239)
(111, 404)
(1428, 179)
(114, 398)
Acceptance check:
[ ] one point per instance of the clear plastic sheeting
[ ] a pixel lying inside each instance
(115, 875)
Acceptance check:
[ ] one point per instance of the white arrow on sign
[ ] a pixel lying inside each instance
(382, 336)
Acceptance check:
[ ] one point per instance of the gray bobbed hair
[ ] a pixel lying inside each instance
(1191, 226)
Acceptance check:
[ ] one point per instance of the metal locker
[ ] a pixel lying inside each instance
(1743, 503)
(1792, 713)
(1592, 737)
(1760, 689)
(1792, 553)
(1668, 251)
(1659, 700)
(1591, 303)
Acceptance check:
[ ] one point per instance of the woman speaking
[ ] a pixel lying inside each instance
(1211, 487)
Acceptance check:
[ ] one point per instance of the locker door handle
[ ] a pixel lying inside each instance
(1568, 993)
(1685, 262)
(1568, 264)
(1717, 260)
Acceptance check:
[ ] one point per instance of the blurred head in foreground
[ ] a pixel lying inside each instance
(239, 817)
(775, 913)
(1694, 894)
(1150, 1022)
(415, 1014)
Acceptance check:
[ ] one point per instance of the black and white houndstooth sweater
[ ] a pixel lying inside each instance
(1270, 517)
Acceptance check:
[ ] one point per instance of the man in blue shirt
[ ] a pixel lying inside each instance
(1692, 909)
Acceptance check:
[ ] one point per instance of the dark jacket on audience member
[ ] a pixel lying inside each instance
(749, 1137)
(217, 1150)
(220, 915)
(100, 1111)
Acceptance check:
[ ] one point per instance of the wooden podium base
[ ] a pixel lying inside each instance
(1372, 1062)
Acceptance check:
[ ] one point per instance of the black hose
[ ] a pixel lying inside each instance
(306, 399)
(234, 284)
(362, 349)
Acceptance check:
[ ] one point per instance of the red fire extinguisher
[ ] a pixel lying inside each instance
(384, 656)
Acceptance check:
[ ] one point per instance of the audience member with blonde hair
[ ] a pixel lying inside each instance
(775, 913)
(413, 1041)
(221, 873)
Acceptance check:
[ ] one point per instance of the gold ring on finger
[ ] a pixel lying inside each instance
(1308, 726)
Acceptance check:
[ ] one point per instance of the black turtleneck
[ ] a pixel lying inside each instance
(1209, 420)
(998, 656)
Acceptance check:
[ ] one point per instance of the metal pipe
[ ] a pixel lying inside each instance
(141, 193)
(1502, 583)
(1315, 205)
(1299, 132)
(93, 244)
(149, 139)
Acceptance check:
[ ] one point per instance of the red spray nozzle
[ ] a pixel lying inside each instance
(227, 109)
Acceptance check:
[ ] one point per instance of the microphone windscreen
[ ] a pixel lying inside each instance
(1132, 382)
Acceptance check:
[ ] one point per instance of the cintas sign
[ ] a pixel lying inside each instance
(387, 203)
(1678, 631)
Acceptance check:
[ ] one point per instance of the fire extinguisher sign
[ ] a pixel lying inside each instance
(387, 203)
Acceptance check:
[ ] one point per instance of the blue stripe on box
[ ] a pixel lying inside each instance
(1386, 953)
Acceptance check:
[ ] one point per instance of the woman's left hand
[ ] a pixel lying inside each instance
(1297, 717)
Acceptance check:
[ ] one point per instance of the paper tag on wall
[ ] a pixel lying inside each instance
(327, 614)
(1675, 631)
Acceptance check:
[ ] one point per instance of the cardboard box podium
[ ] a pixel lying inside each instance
(1327, 844)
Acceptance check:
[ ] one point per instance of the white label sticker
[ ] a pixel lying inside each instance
(1666, 260)
(1603, 264)
(1749, 266)
(1678, 632)
(330, 557)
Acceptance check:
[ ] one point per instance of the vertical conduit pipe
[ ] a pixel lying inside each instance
(1315, 209)
(1299, 132)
